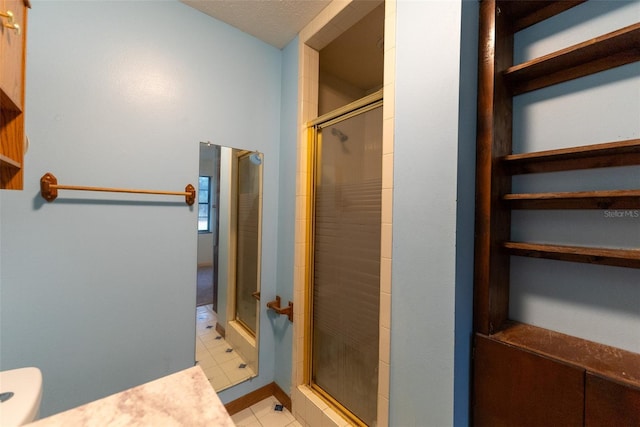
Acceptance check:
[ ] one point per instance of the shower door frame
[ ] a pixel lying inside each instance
(353, 109)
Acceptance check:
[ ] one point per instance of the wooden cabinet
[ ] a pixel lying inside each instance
(516, 387)
(12, 48)
(610, 403)
(13, 15)
(529, 376)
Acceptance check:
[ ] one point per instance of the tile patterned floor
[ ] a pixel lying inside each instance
(263, 414)
(222, 365)
(222, 370)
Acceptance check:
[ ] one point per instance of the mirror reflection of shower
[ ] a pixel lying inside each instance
(227, 350)
(247, 239)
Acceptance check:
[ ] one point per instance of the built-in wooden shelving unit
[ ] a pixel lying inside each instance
(563, 380)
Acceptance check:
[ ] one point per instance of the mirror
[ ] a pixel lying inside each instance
(229, 258)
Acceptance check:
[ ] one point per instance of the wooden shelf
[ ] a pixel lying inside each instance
(615, 363)
(12, 150)
(615, 199)
(523, 14)
(604, 256)
(7, 161)
(601, 53)
(610, 154)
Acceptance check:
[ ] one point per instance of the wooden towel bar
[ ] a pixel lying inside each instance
(49, 190)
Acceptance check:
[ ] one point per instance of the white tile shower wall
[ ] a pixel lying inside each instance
(388, 115)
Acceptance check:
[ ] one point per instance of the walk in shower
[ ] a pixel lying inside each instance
(345, 278)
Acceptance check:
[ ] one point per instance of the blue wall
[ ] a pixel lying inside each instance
(432, 219)
(98, 289)
(465, 212)
(282, 328)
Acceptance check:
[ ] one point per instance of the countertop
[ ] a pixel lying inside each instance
(182, 399)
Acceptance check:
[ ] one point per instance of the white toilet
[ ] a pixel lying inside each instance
(20, 395)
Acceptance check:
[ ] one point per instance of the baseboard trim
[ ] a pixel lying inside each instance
(258, 395)
(220, 330)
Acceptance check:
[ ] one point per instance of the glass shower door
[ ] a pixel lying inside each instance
(346, 262)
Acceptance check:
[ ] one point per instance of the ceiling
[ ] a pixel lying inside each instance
(275, 22)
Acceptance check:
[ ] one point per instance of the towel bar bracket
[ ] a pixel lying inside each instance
(48, 187)
(275, 306)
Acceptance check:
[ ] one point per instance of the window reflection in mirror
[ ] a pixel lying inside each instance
(229, 260)
(204, 204)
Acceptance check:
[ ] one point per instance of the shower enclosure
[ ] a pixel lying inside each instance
(345, 281)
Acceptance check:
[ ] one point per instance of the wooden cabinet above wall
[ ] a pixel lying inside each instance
(13, 18)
